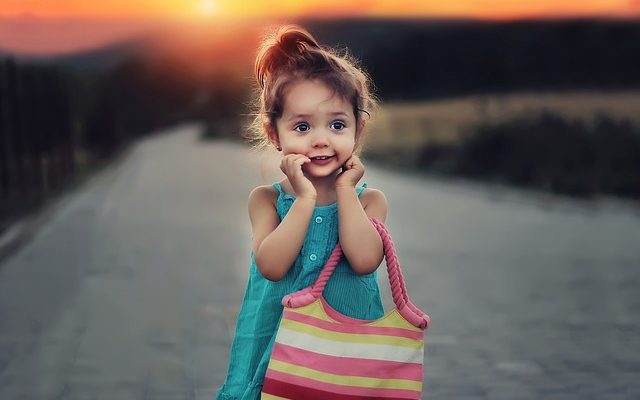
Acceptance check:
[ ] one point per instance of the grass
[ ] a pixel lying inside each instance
(407, 127)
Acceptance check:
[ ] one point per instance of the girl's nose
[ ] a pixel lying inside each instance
(320, 144)
(320, 139)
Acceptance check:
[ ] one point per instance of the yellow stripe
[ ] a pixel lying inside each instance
(313, 310)
(271, 397)
(351, 337)
(392, 319)
(357, 381)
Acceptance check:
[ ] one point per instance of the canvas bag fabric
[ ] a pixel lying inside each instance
(320, 353)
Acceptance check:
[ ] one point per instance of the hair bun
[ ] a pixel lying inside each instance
(283, 48)
(294, 40)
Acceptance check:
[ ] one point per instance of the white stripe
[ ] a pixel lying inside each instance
(355, 350)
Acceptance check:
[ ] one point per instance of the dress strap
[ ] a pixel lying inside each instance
(282, 193)
(278, 187)
(360, 189)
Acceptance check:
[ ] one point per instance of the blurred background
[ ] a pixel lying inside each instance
(507, 144)
(537, 95)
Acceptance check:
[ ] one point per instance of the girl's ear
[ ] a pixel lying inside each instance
(359, 131)
(271, 134)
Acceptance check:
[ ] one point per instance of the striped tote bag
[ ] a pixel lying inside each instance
(322, 354)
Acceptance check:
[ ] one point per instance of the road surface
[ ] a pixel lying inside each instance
(130, 287)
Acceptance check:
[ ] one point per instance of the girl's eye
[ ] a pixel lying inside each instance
(338, 125)
(303, 128)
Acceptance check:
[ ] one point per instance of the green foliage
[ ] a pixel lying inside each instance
(548, 152)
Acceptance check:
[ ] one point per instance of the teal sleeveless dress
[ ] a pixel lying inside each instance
(357, 296)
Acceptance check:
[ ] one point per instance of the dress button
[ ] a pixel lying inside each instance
(313, 257)
(318, 220)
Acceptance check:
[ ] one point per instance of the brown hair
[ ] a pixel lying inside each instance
(291, 54)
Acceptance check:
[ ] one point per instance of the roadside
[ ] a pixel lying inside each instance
(19, 230)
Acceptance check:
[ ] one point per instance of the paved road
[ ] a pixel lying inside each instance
(129, 290)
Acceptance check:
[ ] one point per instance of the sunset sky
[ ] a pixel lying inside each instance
(232, 8)
(46, 26)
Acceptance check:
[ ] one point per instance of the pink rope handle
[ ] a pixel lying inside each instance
(398, 288)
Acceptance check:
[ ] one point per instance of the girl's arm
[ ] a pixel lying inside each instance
(276, 244)
(360, 240)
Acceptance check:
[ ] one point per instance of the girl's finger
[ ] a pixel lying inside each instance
(292, 158)
(290, 161)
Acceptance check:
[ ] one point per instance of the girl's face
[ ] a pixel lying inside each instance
(317, 122)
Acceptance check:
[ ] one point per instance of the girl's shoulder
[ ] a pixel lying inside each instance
(372, 195)
(264, 195)
(374, 203)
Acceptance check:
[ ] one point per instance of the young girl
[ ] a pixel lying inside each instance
(312, 107)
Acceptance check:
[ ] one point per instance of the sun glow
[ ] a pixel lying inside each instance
(208, 7)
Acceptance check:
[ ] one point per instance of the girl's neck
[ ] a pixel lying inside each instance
(325, 189)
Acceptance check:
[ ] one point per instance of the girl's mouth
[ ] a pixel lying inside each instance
(322, 160)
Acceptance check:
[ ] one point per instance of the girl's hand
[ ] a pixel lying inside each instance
(352, 171)
(291, 165)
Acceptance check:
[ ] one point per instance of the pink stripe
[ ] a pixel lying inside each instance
(287, 390)
(364, 330)
(347, 366)
(341, 389)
